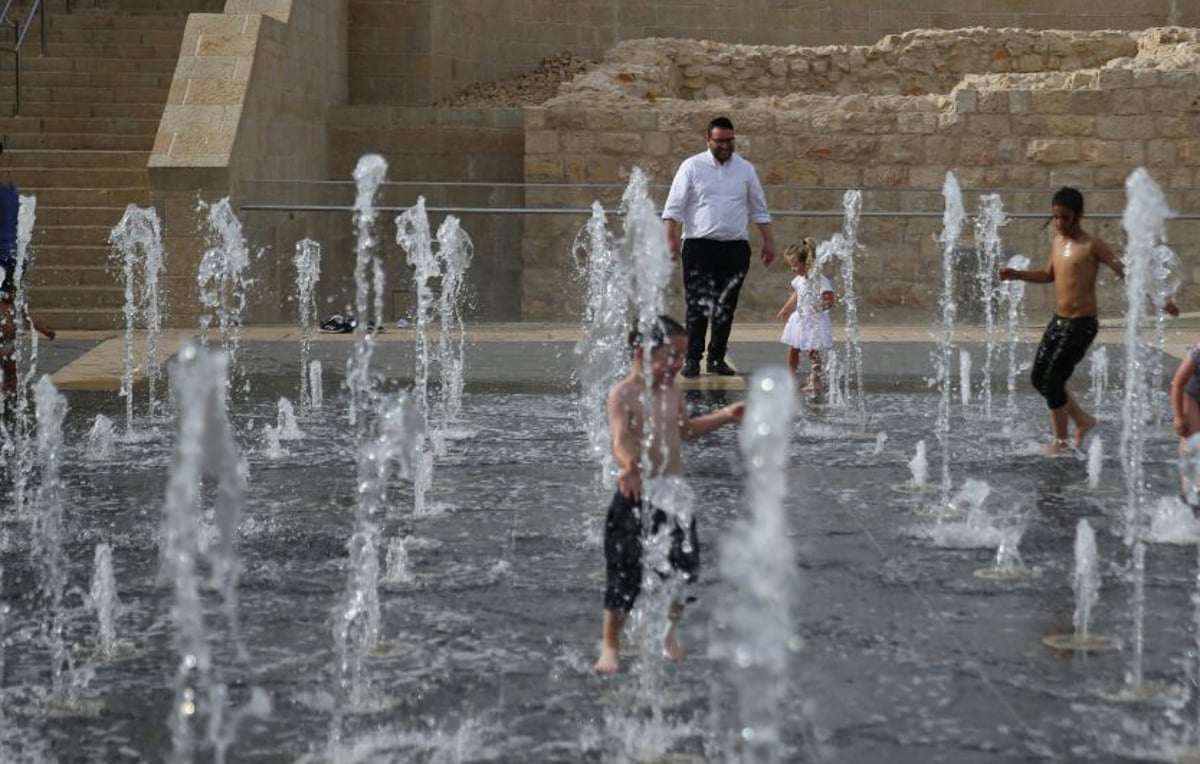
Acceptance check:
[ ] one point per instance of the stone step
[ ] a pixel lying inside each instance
(73, 276)
(60, 110)
(48, 215)
(59, 318)
(78, 141)
(136, 51)
(62, 235)
(91, 197)
(69, 255)
(78, 177)
(30, 64)
(82, 7)
(63, 94)
(44, 298)
(93, 20)
(84, 80)
(90, 125)
(48, 159)
(112, 35)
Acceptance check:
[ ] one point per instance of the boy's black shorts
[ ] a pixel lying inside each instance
(623, 539)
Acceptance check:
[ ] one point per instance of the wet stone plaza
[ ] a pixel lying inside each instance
(909, 640)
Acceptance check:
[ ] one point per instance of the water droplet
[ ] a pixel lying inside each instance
(189, 662)
(748, 734)
(767, 385)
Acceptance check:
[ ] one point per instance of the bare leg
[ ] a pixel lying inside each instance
(1084, 421)
(814, 362)
(793, 360)
(1058, 432)
(1191, 416)
(609, 661)
(671, 649)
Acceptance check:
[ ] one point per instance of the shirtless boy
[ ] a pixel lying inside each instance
(1075, 258)
(659, 354)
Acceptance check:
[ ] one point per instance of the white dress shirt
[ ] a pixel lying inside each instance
(714, 200)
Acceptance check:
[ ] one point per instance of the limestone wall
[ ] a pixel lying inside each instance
(417, 51)
(452, 157)
(1132, 102)
(249, 101)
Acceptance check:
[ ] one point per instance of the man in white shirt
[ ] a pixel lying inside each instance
(713, 198)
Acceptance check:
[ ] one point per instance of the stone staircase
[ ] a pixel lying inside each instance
(89, 113)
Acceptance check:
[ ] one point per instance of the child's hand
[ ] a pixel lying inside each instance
(1181, 427)
(50, 334)
(629, 483)
(781, 315)
(736, 411)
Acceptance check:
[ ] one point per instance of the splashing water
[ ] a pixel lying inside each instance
(1008, 553)
(307, 262)
(1095, 462)
(952, 223)
(316, 389)
(644, 247)
(1144, 220)
(20, 452)
(286, 421)
(47, 527)
(272, 442)
(964, 376)
(1099, 374)
(1165, 279)
(104, 601)
(369, 174)
(412, 234)
(919, 467)
(397, 563)
(454, 250)
(1013, 294)
(846, 248)
(758, 637)
(101, 439)
(1086, 578)
(388, 449)
(137, 241)
(988, 222)
(223, 280)
(204, 447)
(601, 354)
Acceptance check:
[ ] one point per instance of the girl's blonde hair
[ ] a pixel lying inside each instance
(802, 251)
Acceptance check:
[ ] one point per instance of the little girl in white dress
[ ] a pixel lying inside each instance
(807, 309)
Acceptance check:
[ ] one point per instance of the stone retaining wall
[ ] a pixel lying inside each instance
(1126, 100)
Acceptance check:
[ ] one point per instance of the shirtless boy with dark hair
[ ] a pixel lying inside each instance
(658, 355)
(1075, 258)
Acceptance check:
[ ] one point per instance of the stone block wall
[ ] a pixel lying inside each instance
(249, 101)
(460, 161)
(1022, 134)
(417, 51)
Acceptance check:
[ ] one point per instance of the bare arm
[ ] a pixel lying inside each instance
(673, 230)
(705, 423)
(625, 444)
(827, 300)
(1187, 367)
(768, 237)
(788, 306)
(45, 331)
(1044, 276)
(1105, 255)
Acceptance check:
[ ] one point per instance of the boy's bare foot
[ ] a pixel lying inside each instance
(609, 661)
(671, 649)
(1081, 430)
(1056, 447)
